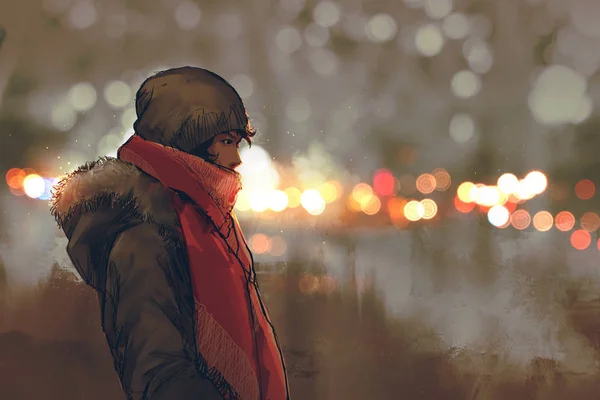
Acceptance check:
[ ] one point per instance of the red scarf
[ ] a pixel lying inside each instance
(234, 334)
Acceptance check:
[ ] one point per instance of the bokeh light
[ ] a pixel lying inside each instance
(426, 183)
(520, 219)
(564, 221)
(260, 243)
(543, 221)
(442, 179)
(278, 201)
(371, 206)
(508, 183)
(34, 186)
(580, 239)
(413, 210)
(590, 221)
(384, 182)
(585, 189)
(430, 208)
(312, 202)
(498, 216)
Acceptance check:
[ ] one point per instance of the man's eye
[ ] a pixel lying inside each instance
(227, 141)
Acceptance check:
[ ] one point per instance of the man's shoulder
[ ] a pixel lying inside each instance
(109, 184)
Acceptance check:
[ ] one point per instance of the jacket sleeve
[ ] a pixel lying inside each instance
(149, 332)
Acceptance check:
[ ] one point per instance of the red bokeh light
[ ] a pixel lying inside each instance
(564, 221)
(384, 182)
(585, 189)
(581, 239)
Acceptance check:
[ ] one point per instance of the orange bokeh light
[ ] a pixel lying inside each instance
(15, 178)
(585, 189)
(426, 183)
(462, 206)
(260, 243)
(395, 207)
(510, 206)
(564, 221)
(543, 221)
(581, 239)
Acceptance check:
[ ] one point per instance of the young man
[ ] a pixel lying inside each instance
(154, 232)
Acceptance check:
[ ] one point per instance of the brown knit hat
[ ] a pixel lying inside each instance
(185, 107)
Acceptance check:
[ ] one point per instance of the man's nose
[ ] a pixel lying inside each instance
(236, 162)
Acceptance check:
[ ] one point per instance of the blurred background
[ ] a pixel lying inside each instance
(420, 198)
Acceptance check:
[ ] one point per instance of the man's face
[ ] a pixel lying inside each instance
(226, 147)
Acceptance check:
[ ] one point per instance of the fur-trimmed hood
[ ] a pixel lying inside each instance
(102, 198)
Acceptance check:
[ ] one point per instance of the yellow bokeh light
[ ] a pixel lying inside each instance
(488, 196)
(362, 192)
(312, 202)
(329, 191)
(293, 194)
(413, 210)
(508, 183)
(34, 186)
(372, 206)
(278, 201)
(430, 208)
(243, 201)
(464, 192)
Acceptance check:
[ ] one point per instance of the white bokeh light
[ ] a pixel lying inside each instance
(82, 15)
(437, 9)
(117, 94)
(243, 84)
(82, 96)
(558, 96)
(465, 84)
(498, 216)
(298, 109)
(63, 116)
(187, 15)
(585, 15)
(429, 40)
(478, 54)
(326, 13)
(461, 128)
(258, 173)
(288, 39)
(293, 6)
(381, 28)
(456, 26)
(316, 35)
(128, 118)
(323, 61)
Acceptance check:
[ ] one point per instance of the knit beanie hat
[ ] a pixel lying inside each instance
(185, 107)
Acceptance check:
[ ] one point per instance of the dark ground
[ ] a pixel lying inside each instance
(338, 345)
